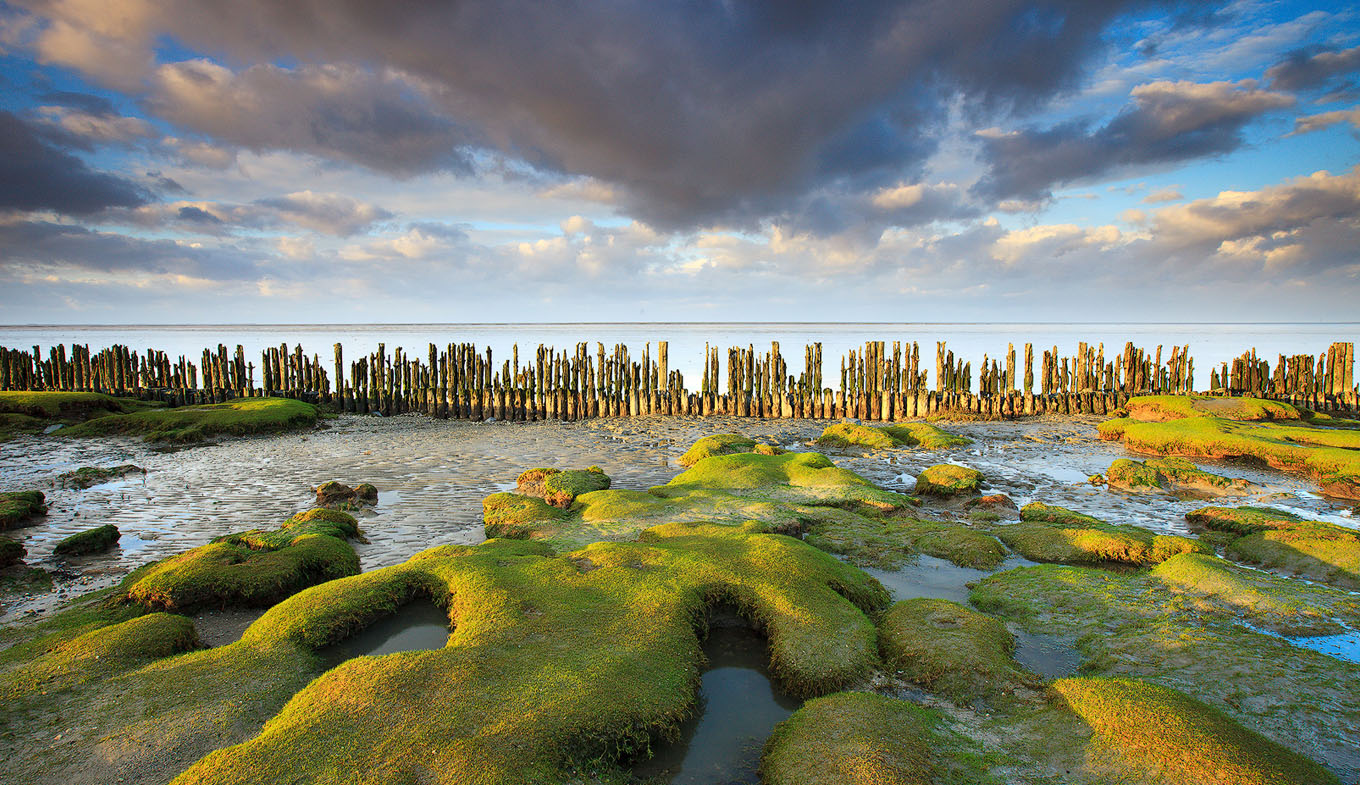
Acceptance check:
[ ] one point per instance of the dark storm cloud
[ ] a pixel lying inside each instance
(48, 247)
(697, 111)
(1306, 69)
(35, 174)
(1169, 121)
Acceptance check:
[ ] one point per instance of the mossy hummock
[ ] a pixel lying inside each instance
(96, 540)
(1264, 431)
(1055, 534)
(19, 508)
(88, 476)
(717, 444)
(1280, 540)
(1184, 626)
(947, 479)
(338, 496)
(560, 487)
(882, 437)
(1173, 474)
(252, 569)
(11, 552)
(1149, 733)
(951, 650)
(858, 738)
(186, 424)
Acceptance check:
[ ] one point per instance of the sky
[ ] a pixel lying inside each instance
(355, 161)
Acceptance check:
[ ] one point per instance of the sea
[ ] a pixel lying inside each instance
(1210, 344)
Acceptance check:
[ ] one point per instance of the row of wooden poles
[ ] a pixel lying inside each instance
(879, 381)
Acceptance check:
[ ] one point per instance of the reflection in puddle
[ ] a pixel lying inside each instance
(936, 578)
(416, 626)
(738, 709)
(1047, 655)
(1345, 646)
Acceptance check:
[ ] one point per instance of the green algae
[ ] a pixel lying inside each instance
(253, 569)
(951, 650)
(338, 496)
(1171, 474)
(560, 487)
(889, 541)
(1150, 627)
(96, 540)
(87, 476)
(19, 508)
(1246, 429)
(11, 552)
(1151, 733)
(557, 664)
(947, 479)
(64, 406)
(187, 424)
(1058, 535)
(717, 444)
(915, 434)
(857, 738)
(1280, 540)
(1154, 408)
(517, 516)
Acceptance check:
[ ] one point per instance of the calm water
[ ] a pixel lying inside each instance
(1210, 344)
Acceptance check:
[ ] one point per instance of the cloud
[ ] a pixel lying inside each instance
(35, 174)
(332, 214)
(692, 113)
(1163, 195)
(1317, 122)
(326, 213)
(419, 241)
(1305, 69)
(1168, 122)
(87, 129)
(45, 247)
(377, 120)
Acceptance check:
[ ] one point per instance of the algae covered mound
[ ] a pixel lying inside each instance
(947, 479)
(1274, 433)
(553, 670)
(889, 540)
(1184, 626)
(1055, 534)
(11, 552)
(882, 437)
(19, 508)
(87, 476)
(857, 738)
(338, 496)
(254, 568)
(949, 649)
(96, 540)
(1172, 474)
(240, 417)
(717, 444)
(560, 487)
(1149, 733)
(1281, 540)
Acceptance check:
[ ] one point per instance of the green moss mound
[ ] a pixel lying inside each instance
(1161, 735)
(96, 540)
(19, 508)
(951, 650)
(557, 664)
(1151, 627)
(11, 552)
(517, 516)
(88, 476)
(1058, 535)
(876, 437)
(1270, 602)
(184, 424)
(560, 487)
(1217, 429)
(857, 738)
(1158, 408)
(1172, 474)
(54, 406)
(889, 541)
(717, 444)
(1280, 540)
(253, 569)
(339, 496)
(947, 479)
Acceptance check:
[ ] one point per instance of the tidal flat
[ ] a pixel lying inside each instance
(1013, 671)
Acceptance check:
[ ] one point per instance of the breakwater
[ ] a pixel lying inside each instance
(878, 381)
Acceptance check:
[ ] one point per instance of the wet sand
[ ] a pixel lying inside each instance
(433, 474)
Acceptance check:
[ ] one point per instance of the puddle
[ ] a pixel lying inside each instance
(739, 705)
(1047, 655)
(222, 627)
(937, 578)
(1345, 646)
(418, 625)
